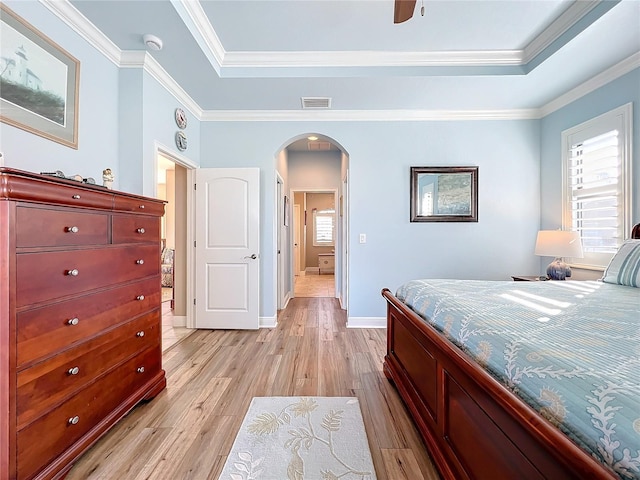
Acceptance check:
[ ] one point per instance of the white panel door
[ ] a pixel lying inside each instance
(227, 281)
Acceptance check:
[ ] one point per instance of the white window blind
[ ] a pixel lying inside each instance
(595, 186)
(323, 227)
(596, 192)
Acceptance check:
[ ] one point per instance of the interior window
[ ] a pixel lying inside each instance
(323, 227)
(596, 184)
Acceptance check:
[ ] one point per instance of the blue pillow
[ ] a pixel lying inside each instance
(624, 268)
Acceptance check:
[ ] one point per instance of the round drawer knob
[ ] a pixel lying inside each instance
(76, 197)
(142, 207)
(73, 420)
(73, 273)
(73, 371)
(140, 297)
(140, 333)
(140, 369)
(73, 229)
(140, 230)
(140, 262)
(73, 321)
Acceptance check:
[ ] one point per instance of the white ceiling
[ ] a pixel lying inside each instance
(264, 55)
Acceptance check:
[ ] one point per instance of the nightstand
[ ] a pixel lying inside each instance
(529, 278)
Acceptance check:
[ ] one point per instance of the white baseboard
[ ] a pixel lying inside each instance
(366, 322)
(340, 299)
(287, 297)
(179, 321)
(268, 322)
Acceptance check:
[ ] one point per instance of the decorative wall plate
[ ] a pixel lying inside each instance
(181, 118)
(181, 141)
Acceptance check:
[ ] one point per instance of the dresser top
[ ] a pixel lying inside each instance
(20, 185)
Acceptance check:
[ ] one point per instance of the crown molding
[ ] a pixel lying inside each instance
(365, 115)
(142, 59)
(64, 10)
(198, 24)
(618, 70)
(133, 59)
(226, 63)
(372, 59)
(70, 15)
(558, 27)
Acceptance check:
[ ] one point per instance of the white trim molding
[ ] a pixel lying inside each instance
(366, 322)
(268, 322)
(558, 27)
(365, 115)
(70, 15)
(618, 70)
(195, 18)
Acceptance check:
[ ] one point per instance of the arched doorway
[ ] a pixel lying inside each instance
(311, 163)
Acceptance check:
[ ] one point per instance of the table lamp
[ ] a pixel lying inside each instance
(558, 244)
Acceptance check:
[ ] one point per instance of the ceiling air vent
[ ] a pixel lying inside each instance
(319, 145)
(316, 102)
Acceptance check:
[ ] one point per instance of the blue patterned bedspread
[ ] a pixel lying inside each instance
(571, 350)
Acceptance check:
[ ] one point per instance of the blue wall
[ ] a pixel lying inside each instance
(97, 116)
(125, 113)
(380, 155)
(619, 92)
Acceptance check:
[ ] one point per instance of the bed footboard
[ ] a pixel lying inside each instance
(473, 427)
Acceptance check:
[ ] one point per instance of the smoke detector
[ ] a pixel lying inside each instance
(152, 42)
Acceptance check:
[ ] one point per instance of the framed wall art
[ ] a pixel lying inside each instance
(38, 82)
(444, 194)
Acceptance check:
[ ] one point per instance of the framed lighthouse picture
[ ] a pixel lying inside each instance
(38, 82)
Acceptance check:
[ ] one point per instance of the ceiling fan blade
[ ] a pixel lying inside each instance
(403, 10)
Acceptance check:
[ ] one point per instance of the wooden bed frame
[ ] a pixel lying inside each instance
(472, 425)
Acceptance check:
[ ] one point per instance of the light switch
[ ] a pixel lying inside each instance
(363, 238)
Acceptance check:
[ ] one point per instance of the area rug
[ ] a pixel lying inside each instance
(301, 438)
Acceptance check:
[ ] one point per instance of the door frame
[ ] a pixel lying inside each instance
(190, 166)
(340, 237)
(344, 233)
(280, 238)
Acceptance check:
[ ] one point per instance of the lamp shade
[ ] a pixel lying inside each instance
(558, 243)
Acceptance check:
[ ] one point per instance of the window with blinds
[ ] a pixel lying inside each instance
(323, 227)
(596, 188)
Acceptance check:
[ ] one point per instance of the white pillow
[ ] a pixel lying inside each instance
(624, 268)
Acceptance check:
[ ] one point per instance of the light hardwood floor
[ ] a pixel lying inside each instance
(188, 429)
(170, 334)
(314, 286)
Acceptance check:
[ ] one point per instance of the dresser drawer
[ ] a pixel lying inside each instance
(47, 383)
(48, 190)
(135, 229)
(46, 276)
(139, 205)
(39, 227)
(51, 434)
(43, 331)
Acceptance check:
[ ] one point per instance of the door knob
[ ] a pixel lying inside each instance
(253, 256)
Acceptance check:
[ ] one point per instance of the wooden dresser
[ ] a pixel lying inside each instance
(80, 318)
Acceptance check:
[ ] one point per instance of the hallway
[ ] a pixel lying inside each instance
(314, 286)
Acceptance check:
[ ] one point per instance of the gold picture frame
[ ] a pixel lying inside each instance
(39, 82)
